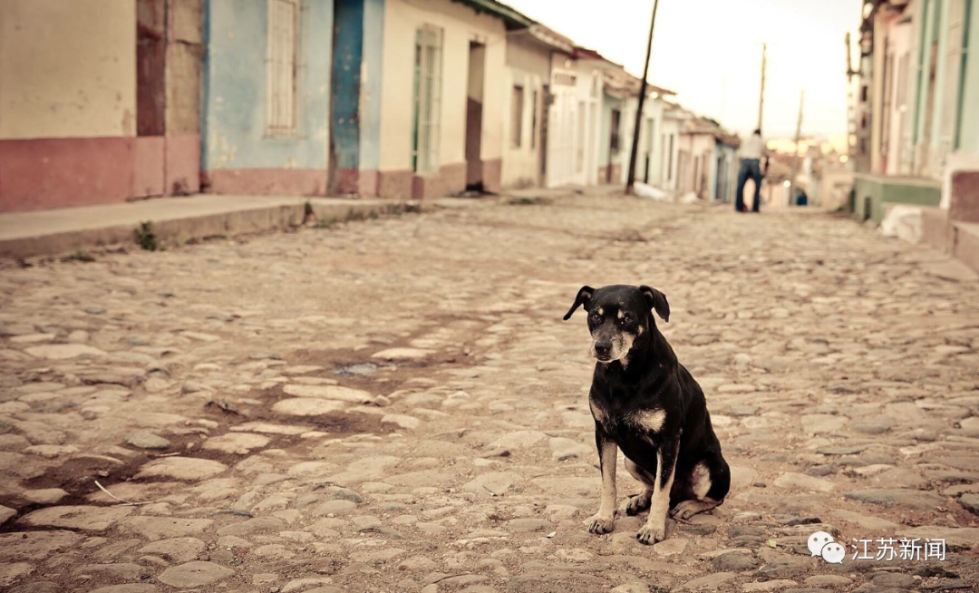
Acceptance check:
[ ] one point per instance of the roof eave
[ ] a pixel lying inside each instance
(512, 18)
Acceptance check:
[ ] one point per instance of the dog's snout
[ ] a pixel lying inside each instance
(603, 348)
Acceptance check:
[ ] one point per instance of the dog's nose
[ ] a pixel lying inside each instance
(603, 349)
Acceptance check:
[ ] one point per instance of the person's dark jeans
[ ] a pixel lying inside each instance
(750, 169)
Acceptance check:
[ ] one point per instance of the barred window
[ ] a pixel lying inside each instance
(427, 99)
(280, 60)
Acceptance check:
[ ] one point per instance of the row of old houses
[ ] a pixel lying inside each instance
(915, 118)
(114, 100)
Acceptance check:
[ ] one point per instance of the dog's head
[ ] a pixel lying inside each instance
(618, 316)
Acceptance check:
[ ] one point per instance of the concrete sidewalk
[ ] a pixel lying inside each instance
(174, 220)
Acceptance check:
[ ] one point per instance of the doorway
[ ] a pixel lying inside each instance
(474, 116)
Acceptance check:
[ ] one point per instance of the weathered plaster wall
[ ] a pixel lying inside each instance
(237, 155)
(68, 68)
(371, 85)
(460, 25)
(969, 125)
(899, 44)
(669, 157)
(606, 156)
(652, 112)
(356, 87)
(67, 102)
(528, 65)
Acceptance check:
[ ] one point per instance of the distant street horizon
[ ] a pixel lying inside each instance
(709, 52)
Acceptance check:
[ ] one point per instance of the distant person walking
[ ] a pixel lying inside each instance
(752, 152)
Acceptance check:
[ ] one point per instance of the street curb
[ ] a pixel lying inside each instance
(178, 231)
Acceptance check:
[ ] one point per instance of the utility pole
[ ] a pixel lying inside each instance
(795, 156)
(631, 180)
(761, 97)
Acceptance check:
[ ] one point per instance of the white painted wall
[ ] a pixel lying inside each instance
(899, 46)
(68, 69)
(574, 123)
(670, 127)
(652, 109)
(460, 25)
(528, 65)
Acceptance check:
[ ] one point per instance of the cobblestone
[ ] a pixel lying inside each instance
(396, 405)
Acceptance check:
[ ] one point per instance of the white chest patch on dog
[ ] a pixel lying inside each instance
(651, 420)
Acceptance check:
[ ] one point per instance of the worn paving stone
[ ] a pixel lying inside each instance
(194, 574)
(64, 351)
(82, 518)
(330, 392)
(434, 441)
(182, 468)
(6, 513)
(239, 443)
(157, 528)
(178, 549)
(147, 440)
(307, 406)
(891, 497)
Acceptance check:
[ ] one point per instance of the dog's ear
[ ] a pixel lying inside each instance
(657, 302)
(584, 295)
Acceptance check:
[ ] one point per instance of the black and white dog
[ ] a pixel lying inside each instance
(648, 404)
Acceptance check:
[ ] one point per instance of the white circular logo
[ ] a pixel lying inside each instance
(833, 553)
(818, 540)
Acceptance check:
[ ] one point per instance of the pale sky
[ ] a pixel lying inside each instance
(709, 52)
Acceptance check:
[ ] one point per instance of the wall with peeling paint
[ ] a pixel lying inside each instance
(528, 66)
(460, 25)
(358, 47)
(237, 154)
(649, 148)
(606, 156)
(371, 79)
(67, 103)
(68, 68)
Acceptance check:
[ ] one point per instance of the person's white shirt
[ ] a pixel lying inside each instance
(753, 147)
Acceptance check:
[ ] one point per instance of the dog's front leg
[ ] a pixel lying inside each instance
(659, 505)
(604, 521)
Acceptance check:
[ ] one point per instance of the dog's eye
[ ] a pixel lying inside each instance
(596, 317)
(626, 319)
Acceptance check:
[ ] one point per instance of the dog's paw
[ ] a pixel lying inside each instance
(650, 534)
(600, 524)
(636, 505)
(688, 508)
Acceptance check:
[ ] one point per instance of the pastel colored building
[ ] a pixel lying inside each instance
(919, 88)
(526, 125)
(98, 101)
(674, 119)
(267, 83)
(696, 168)
(574, 119)
(433, 85)
(649, 164)
(727, 166)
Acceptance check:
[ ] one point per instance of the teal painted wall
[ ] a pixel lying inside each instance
(873, 191)
(235, 88)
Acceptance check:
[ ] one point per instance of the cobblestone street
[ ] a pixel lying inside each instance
(395, 405)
